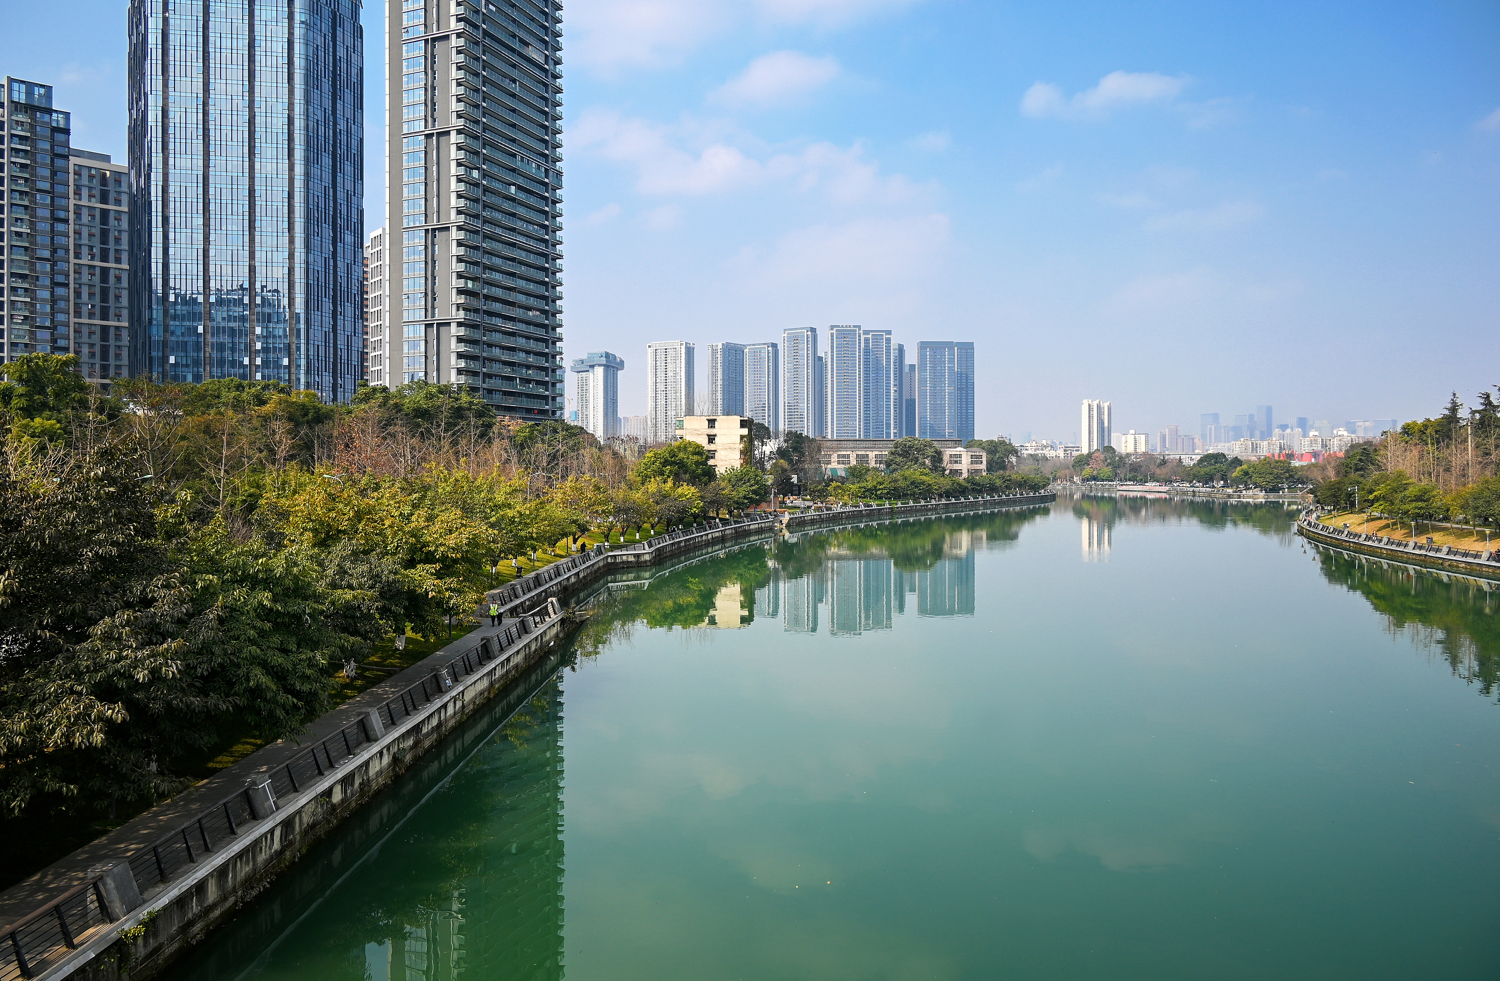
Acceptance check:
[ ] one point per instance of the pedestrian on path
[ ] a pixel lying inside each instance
(494, 614)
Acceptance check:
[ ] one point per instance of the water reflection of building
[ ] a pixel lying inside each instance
(729, 610)
(802, 597)
(947, 590)
(501, 917)
(866, 592)
(1096, 539)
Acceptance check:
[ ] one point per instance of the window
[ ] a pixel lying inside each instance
(712, 439)
(713, 423)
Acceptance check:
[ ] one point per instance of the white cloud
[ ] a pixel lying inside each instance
(604, 214)
(610, 35)
(777, 78)
(613, 34)
(826, 13)
(1489, 123)
(935, 141)
(1115, 90)
(1229, 214)
(714, 165)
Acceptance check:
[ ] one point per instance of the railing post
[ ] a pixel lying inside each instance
(15, 944)
(67, 931)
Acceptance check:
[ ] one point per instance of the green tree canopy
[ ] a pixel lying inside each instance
(999, 453)
(745, 487)
(42, 393)
(424, 405)
(911, 453)
(683, 461)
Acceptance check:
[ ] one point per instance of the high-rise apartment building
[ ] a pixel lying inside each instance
(1094, 426)
(762, 384)
(669, 388)
(473, 113)
(599, 393)
(1208, 428)
(820, 389)
(726, 379)
(880, 385)
(909, 400)
(375, 320)
(37, 274)
(247, 169)
(800, 386)
(102, 333)
(845, 386)
(945, 390)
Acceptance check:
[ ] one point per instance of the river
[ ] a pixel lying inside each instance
(1123, 740)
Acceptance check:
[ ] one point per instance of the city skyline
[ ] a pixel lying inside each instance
(1291, 200)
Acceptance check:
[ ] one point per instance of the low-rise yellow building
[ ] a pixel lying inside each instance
(727, 438)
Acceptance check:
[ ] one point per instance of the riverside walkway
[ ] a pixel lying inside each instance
(159, 883)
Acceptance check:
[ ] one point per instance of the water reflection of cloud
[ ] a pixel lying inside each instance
(641, 927)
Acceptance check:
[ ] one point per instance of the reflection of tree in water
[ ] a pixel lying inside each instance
(470, 886)
(681, 598)
(1275, 519)
(1453, 620)
(685, 597)
(915, 546)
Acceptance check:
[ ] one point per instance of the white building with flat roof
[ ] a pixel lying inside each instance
(669, 388)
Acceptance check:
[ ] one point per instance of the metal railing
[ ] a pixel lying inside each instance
(40, 937)
(1309, 521)
(33, 940)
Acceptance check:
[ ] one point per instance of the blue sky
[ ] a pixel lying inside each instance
(1179, 207)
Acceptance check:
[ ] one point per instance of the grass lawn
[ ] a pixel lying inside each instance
(1401, 530)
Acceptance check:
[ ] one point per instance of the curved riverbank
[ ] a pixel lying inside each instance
(1482, 564)
(129, 902)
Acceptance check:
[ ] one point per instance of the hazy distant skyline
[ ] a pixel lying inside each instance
(1180, 209)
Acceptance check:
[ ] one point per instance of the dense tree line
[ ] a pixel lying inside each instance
(1438, 469)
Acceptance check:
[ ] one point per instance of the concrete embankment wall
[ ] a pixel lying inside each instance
(892, 512)
(1483, 565)
(201, 895)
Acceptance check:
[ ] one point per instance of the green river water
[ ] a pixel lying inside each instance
(1113, 740)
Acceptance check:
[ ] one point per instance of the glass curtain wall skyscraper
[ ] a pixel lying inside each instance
(474, 124)
(945, 390)
(247, 169)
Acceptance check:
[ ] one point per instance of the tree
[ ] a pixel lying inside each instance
(1481, 502)
(803, 456)
(999, 453)
(1268, 474)
(424, 405)
(42, 394)
(745, 487)
(909, 453)
(669, 503)
(683, 462)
